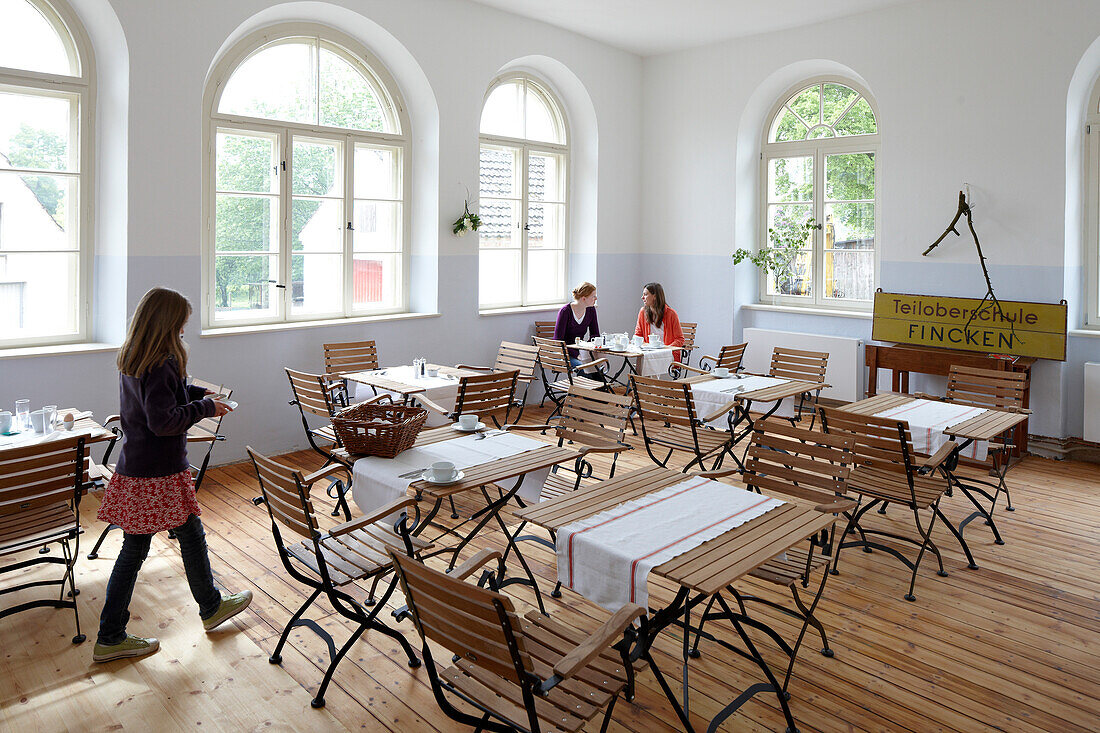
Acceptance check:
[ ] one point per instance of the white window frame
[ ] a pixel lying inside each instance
(1092, 210)
(285, 132)
(527, 147)
(818, 149)
(82, 133)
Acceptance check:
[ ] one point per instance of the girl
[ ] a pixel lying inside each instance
(657, 317)
(152, 489)
(577, 319)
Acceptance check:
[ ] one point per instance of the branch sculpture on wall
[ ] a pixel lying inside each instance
(989, 297)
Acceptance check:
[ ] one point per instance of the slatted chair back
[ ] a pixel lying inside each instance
(593, 418)
(689, 330)
(350, 356)
(207, 431)
(41, 475)
(794, 461)
(487, 394)
(553, 356)
(521, 357)
(310, 394)
(881, 444)
(796, 364)
(544, 329)
(988, 388)
(662, 402)
(479, 626)
(286, 499)
(730, 356)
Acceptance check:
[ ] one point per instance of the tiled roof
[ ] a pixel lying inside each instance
(496, 180)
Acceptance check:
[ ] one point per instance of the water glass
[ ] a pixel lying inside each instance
(51, 416)
(22, 414)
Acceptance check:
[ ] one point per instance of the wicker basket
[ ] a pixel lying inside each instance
(378, 430)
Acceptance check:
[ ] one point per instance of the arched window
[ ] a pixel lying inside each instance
(523, 203)
(307, 183)
(819, 162)
(45, 174)
(1092, 208)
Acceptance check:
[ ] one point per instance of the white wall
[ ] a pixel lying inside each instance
(967, 92)
(459, 47)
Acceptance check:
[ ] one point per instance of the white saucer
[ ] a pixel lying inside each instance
(459, 428)
(455, 478)
(651, 347)
(232, 404)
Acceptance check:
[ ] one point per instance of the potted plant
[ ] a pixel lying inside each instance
(788, 238)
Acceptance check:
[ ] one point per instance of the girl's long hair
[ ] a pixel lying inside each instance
(656, 314)
(154, 333)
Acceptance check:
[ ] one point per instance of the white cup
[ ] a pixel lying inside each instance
(638, 340)
(433, 372)
(720, 372)
(597, 341)
(443, 471)
(5, 422)
(467, 421)
(654, 340)
(38, 421)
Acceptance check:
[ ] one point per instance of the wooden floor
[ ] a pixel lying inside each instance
(1014, 645)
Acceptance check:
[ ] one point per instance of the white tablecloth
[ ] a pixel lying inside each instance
(927, 420)
(29, 437)
(715, 394)
(607, 557)
(441, 390)
(377, 481)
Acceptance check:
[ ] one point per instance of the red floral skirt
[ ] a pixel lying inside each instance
(149, 505)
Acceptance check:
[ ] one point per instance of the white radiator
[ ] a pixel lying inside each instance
(1092, 402)
(845, 368)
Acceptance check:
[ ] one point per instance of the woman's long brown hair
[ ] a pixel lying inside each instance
(656, 314)
(154, 333)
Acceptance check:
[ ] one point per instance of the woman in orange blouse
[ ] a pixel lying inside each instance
(656, 317)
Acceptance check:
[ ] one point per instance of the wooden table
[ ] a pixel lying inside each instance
(987, 426)
(377, 378)
(700, 573)
(632, 360)
(902, 359)
(482, 477)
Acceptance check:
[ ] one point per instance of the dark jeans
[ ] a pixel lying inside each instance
(135, 548)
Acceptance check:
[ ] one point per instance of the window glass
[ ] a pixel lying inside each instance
(30, 41)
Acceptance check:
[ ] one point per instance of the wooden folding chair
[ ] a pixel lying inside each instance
(520, 357)
(800, 365)
(520, 674)
(329, 562)
(668, 418)
(201, 438)
(688, 329)
(40, 490)
(544, 329)
(786, 461)
(887, 471)
(558, 375)
(313, 397)
(994, 390)
(485, 395)
(729, 357)
(349, 356)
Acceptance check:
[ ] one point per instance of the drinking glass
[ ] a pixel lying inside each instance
(51, 416)
(23, 414)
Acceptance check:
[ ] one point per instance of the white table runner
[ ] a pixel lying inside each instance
(29, 437)
(377, 481)
(607, 557)
(929, 418)
(712, 395)
(441, 390)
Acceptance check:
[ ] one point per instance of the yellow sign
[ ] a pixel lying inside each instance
(1017, 328)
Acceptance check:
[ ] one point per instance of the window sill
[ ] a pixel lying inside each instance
(57, 350)
(521, 309)
(215, 331)
(1093, 333)
(831, 312)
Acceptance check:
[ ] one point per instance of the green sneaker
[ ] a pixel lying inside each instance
(231, 606)
(131, 646)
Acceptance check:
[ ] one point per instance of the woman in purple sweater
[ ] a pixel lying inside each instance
(578, 320)
(152, 489)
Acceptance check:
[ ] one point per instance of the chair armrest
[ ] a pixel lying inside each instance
(837, 507)
(509, 427)
(589, 364)
(604, 448)
(722, 473)
(376, 399)
(934, 461)
(377, 515)
(721, 411)
(708, 357)
(926, 396)
(321, 473)
(204, 438)
(474, 368)
(475, 563)
(583, 654)
(432, 406)
(112, 418)
(678, 365)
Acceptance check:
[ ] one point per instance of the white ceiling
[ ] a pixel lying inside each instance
(648, 27)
